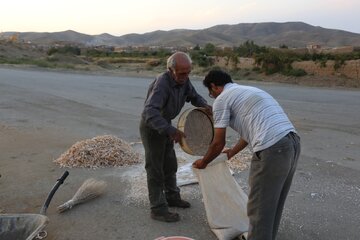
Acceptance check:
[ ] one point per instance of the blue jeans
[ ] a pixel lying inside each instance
(270, 177)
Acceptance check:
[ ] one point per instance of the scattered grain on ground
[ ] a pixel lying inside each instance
(241, 161)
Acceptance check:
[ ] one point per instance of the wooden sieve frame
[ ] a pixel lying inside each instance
(181, 126)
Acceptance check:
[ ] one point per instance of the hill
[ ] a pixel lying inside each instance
(292, 34)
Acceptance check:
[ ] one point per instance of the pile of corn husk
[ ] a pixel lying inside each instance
(100, 151)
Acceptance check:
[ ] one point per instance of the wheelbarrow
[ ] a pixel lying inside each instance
(27, 226)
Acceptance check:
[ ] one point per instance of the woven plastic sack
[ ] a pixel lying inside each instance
(224, 200)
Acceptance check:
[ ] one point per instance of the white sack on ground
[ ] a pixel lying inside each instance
(224, 200)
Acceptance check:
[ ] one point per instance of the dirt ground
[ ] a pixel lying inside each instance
(43, 113)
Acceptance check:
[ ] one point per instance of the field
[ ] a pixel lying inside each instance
(30, 56)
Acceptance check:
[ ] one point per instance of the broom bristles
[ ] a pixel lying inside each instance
(90, 189)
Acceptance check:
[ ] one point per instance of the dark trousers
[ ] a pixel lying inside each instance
(270, 177)
(161, 167)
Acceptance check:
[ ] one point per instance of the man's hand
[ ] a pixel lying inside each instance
(208, 110)
(200, 164)
(229, 152)
(176, 137)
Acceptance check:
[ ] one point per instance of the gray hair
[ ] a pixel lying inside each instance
(171, 61)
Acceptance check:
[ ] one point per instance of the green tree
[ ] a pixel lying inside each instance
(196, 48)
(249, 49)
(209, 49)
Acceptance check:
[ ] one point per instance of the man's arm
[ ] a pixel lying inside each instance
(215, 148)
(156, 100)
(196, 99)
(241, 144)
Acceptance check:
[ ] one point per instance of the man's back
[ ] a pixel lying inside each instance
(253, 113)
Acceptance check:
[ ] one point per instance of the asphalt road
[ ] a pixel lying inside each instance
(42, 113)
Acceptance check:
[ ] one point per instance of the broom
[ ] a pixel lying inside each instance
(91, 188)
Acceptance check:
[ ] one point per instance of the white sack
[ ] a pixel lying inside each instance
(224, 200)
(186, 176)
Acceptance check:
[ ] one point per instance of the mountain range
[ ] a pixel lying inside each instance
(272, 34)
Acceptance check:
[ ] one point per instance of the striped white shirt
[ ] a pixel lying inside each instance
(253, 113)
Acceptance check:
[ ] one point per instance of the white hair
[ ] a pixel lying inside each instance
(171, 61)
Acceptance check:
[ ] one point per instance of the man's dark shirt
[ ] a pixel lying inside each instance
(164, 101)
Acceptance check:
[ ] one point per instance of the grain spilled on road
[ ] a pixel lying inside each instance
(240, 161)
(100, 151)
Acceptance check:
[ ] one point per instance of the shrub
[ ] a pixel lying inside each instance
(64, 50)
(153, 63)
(295, 72)
(256, 69)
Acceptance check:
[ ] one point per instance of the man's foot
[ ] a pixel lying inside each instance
(165, 217)
(178, 203)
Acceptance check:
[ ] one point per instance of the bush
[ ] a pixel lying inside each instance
(201, 59)
(295, 72)
(256, 69)
(153, 63)
(64, 50)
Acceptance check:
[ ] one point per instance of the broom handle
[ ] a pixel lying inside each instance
(53, 190)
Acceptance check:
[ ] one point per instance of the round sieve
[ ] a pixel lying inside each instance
(199, 131)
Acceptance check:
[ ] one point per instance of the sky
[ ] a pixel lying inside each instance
(119, 17)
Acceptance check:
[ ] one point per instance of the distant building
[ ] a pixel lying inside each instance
(313, 48)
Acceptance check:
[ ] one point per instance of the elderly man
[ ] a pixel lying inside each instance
(165, 98)
(265, 128)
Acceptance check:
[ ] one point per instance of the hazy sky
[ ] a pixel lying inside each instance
(119, 17)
